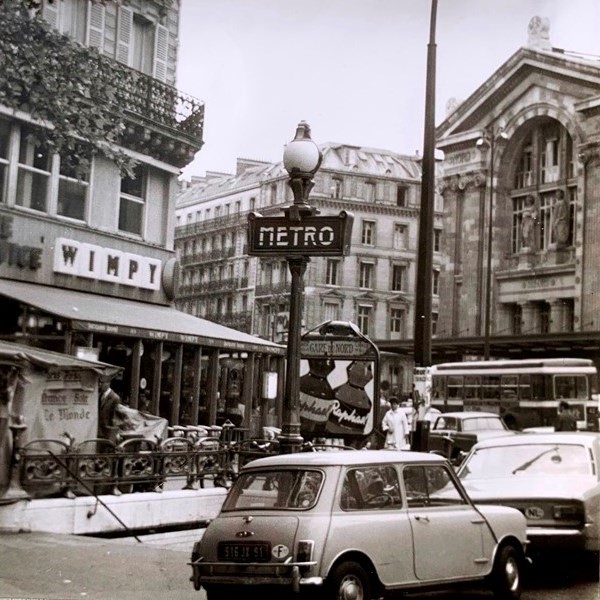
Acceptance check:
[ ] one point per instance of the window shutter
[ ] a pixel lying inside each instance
(95, 26)
(124, 35)
(161, 48)
(50, 13)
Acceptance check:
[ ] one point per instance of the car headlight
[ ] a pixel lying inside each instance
(571, 512)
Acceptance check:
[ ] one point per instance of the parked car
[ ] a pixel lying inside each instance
(355, 525)
(453, 434)
(552, 478)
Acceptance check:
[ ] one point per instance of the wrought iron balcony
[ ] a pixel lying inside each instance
(164, 122)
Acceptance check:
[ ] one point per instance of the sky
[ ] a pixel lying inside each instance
(355, 70)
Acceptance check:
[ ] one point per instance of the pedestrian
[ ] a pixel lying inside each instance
(566, 420)
(395, 426)
(109, 404)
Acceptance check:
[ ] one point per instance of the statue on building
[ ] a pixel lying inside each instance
(528, 222)
(560, 219)
(538, 33)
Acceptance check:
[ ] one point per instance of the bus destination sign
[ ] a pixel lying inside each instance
(309, 236)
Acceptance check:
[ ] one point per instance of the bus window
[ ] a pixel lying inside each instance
(509, 387)
(472, 387)
(524, 387)
(570, 387)
(455, 385)
(537, 388)
(491, 387)
(437, 387)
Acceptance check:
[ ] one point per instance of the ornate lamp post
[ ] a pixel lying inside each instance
(301, 159)
(298, 235)
(489, 138)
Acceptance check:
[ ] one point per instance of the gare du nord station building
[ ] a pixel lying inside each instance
(521, 189)
(87, 260)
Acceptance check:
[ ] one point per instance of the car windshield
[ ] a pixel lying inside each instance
(527, 459)
(275, 489)
(483, 424)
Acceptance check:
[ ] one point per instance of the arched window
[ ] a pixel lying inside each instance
(544, 191)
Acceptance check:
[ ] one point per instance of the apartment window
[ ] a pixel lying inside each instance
(142, 44)
(252, 204)
(337, 188)
(401, 196)
(435, 285)
(273, 193)
(33, 173)
(398, 278)
(434, 322)
(368, 233)
(397, 316)
(366, 275)
(4, 145)
(369, 192)
(238, 206)
(331, 311)
(72, 188)
(132, 201)
(437, 237)
(331, 275)
(364, 318)
(400, 236)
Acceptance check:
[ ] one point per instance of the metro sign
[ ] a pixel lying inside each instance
(309, 236)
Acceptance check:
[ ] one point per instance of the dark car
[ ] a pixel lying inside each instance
(453, 434)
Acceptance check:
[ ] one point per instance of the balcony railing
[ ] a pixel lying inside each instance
(163, 104)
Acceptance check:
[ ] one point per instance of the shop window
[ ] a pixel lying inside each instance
(132, 201)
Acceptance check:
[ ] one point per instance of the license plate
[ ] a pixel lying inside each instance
(244, 551)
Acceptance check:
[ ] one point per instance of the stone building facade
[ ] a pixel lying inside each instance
(522, 163)
(373, 286)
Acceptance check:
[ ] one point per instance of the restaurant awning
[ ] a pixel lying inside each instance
(116, 316)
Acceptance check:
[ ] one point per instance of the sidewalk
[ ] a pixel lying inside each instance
(67, 567)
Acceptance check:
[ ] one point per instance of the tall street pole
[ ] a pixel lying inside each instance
(422, 328)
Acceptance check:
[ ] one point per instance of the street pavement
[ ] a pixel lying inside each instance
(67, 567)
(51, 566)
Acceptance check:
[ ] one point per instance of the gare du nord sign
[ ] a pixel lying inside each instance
(312, 235)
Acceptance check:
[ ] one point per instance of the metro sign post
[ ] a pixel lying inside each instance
(298, 235)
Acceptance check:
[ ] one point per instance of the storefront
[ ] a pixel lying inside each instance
(171, 360)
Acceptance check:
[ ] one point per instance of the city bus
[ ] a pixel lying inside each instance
(525, 393)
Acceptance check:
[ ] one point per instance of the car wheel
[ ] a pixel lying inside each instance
(506, 576)
(349, 581)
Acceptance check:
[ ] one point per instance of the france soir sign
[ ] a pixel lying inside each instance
(313, 235)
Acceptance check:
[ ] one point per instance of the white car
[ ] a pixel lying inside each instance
(353, 525)
(552, 478)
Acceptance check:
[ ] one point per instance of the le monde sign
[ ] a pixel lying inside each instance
(313, 235)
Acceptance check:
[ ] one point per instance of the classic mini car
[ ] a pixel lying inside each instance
(552, 478)
(453, 434)
(355, 525)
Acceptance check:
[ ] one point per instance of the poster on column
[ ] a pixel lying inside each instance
(59, 402)
(339, 382)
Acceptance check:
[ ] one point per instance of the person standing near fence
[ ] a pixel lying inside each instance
(108, 406)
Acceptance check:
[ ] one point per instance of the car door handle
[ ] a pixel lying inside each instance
(420, 518)
(477, 521)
